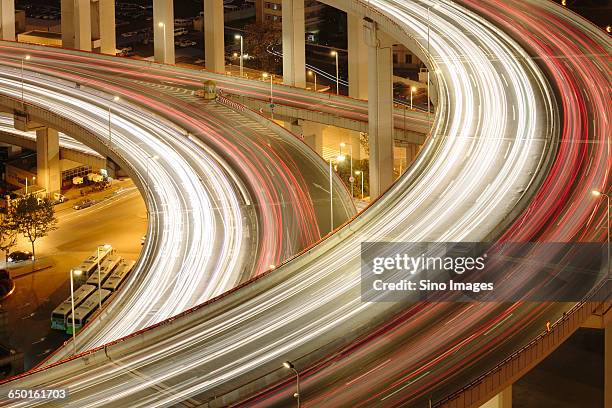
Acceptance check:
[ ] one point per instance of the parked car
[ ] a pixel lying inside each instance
(84, 204)
(20, 256)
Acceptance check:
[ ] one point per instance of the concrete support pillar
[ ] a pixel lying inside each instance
(501, 400)
(67, 8)
(380, 108)
(313, 135)
(82, 25)
(163, 30)
(7, 20)
(214, 44)
(357, 58)
(294, 43)
(48, 160)
(106, 15)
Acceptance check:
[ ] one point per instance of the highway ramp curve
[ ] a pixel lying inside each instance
(508, 152)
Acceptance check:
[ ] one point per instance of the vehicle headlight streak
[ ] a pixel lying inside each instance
(195, 214)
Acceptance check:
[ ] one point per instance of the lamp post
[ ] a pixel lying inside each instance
(412, 91)
(106, 247)
(598, 193)
(77, 273)
(110, 134)
(435, 6)
(357, 173)
(25, 58)
(313, 74)
(26, 184)
(335, 54)
(340, 158)
(352, 179)
(239, 37)
(290, 366)
(271, 76)
(163, 25)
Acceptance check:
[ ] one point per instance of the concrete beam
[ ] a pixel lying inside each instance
(48, 160)
(380, 108)
(7, 20)
(163, 31)
(357, 58)
(501, 400)
(214, 44)
(294, 44)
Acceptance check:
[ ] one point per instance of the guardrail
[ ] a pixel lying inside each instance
(483, 388)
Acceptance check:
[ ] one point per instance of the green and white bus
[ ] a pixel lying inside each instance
(107, 266)
(90, 265)
(85, 310)
(118, 276)
(58, 316)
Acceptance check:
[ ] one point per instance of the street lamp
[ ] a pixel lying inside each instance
(26, 183)
(313, 74)
(357, 173)
(352, 179)
(106, 247)
(335, 54)
(25, 58)
(598, 193)
(239, 37)
(271, 76)
(339, 159)
(412, 91)
(288, 365)
(436, 6)
(162, 25)
(110, 135)
(76, 272)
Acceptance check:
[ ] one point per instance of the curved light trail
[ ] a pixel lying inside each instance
(493, 138)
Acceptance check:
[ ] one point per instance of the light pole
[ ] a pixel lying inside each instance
(435, 6)
(271, 76)
(26, 58)
(313, 74)
(107, 247)
(26, 187)
(598, 193)
(77, 273)
(163, 25)
(290, 366)
(110, 134)
(352, 179)
(412, 91)
(335, 54)
(239, 37)
(357, 173)
(339, 159)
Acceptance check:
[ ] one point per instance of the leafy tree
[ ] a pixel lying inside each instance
(259, 38)
(34, 218)
(8, 232)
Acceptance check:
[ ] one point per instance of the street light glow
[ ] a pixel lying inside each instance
(357, 172)
(287, 364)
(116, 99)
(27, 57)
(340, 158)
(265, 75)
(160, 24)
(237, 36)
(77, 272)
(596, 193)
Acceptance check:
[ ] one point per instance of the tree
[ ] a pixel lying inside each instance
(8, 232)
(259, 39)
(34, 218)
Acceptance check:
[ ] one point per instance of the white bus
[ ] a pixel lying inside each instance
(58, 316)
(85, 310)
(118, 276)
(107, 266)
(89, 265)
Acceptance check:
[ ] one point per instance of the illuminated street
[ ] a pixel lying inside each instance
(423, 230)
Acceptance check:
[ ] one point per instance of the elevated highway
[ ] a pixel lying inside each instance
(511, 161)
